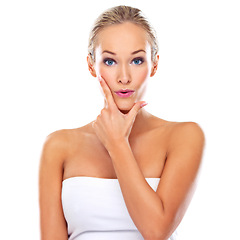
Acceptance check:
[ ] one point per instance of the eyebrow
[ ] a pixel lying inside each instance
(106, 51)
(140, 50)
(135, 52)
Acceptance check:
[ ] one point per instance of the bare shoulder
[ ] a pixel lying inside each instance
(181, 130)
(180, 134)
(57, 140)
(62, 141)
(65, 136)
(57, 137)
(186, 143)
(57, 143)
(187, 132)
(56, 150)
(179, 126)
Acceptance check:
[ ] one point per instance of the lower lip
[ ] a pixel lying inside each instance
(124, 95)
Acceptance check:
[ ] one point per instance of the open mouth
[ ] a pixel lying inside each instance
(124, 93)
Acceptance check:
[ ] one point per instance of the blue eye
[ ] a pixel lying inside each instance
(109, 62)
(137, 61)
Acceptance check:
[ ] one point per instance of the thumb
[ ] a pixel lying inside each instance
(133, 112)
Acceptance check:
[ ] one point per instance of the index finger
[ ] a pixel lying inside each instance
(107, 92)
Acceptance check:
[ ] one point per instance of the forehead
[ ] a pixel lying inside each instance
(124, 37)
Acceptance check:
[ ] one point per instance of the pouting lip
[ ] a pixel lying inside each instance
(124, 90)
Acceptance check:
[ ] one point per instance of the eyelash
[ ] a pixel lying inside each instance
(112, 60)
(138, 59)
(108, 59)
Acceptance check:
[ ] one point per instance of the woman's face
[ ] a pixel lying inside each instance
(123, 59)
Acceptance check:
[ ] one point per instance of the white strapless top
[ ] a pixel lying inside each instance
(94, 209)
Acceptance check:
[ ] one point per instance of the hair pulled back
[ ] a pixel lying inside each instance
(118, 15)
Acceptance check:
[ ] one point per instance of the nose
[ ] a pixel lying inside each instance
(124, 75)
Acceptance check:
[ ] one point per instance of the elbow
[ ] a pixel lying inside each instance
(156, 234)
(161, 231)
(155, 237)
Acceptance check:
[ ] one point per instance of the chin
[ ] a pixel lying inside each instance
(125, 109)
(125, 106)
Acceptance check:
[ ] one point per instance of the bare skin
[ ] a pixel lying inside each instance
(169, 150)
(98, 162)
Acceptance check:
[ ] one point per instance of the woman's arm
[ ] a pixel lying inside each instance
(52, 222)
(157, 214)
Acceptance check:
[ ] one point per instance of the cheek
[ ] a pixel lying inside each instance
(142, 75)
(107, 74)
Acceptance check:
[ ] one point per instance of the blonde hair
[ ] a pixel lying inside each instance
(118, 15)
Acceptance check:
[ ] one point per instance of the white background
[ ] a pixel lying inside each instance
(45, 86)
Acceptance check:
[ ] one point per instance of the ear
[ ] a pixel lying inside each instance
(154, 66)
(91, 66)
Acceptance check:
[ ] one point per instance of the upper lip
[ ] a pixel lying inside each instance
(124, 90)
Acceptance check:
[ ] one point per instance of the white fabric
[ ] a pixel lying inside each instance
(94, 209)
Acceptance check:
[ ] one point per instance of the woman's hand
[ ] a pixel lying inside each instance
(112, 126)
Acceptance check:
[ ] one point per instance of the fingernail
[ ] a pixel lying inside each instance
(143, 104)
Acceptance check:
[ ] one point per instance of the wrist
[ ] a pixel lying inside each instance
(116, 147)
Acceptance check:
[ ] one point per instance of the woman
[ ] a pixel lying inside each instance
(102, 180)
